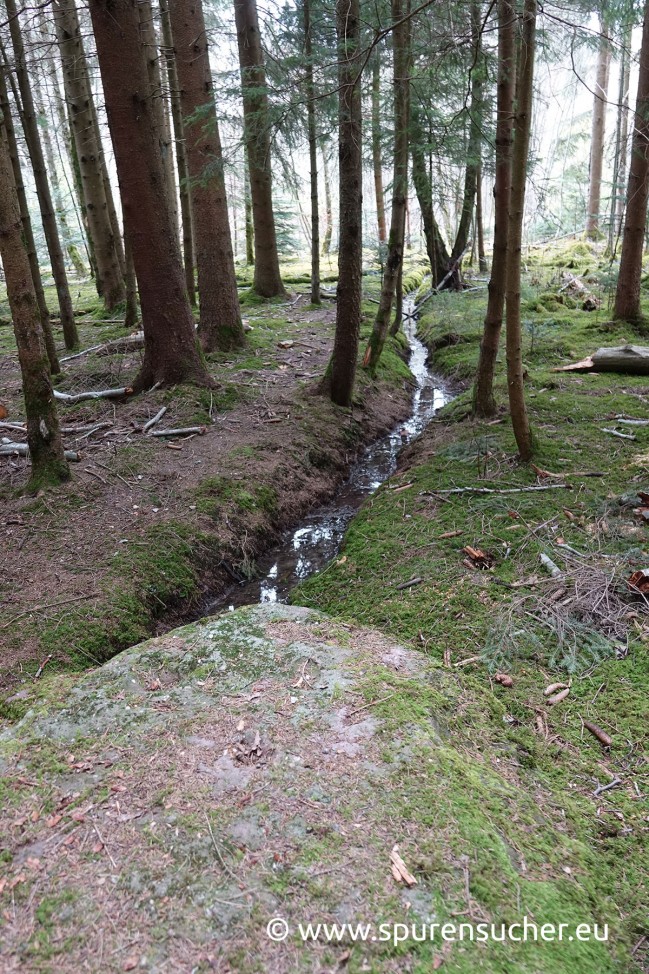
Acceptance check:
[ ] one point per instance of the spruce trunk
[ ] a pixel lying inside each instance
(597, 135)
(220, 325)
(627, 295)
(43, 432)
(256, 124)
(170, 349)
(313, 153)
(32, 137)
(522, 129)
(484, 403)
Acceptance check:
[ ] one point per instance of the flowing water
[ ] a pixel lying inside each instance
(310, 546)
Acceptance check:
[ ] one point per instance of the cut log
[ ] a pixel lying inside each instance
(22, 450)
(627, 359)
(70, 399)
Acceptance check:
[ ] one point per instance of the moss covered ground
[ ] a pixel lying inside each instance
(510, 785)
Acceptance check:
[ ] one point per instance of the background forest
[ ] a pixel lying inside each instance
(324, 482)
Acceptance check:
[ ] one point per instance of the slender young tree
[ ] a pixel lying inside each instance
(377, 155)
(171, 352)
(621, 136)
(326, 238)
(43, 432)
(181, 154)
(476, 108)
(522, 129)
(394, 262)
(312, 135)
(479, 224)
(484, 403)
(79, 97)
(28, 233)
(39, 170)
(597, 134)
(627, 295)
(256, 123)
(339, 380)
(220, 323)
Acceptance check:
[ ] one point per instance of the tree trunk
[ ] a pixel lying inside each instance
(394, 262)
(28, 232)
(79, 97)
(621, 136)
(150, 41)
(313, 153)
(43, 431)
(484, 403)
(181, 154)
(473, 145)
(627, 295)
(326, 240)
(30, 128)
(377, 160)
(256, 124)
(130, 283)
(247, 205)
(339, 381)
(220, 324)
(438, 255)
(397, 321)
(597, 134)
(50, 159)
(522, 129)
(170, 349)
(479, 224)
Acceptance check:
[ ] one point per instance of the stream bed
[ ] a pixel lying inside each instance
(309, 547)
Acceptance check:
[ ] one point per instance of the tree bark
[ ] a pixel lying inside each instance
(313, 153)
(30, 128)
(170, 349)
(181, 154)
(597, 134)
(28, 232)
(484, 403)
(473, 145)
(339, 380)
(621, 137)
(522, 129)
(220, 325)
(394, 262)
(326, 240)
(256, 123)
(80, 101)
(479, 223)
(627, 295)
(43, 432)
(377, 159)
(438, 255)
(150, 40)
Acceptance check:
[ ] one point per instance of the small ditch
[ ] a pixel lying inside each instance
(309, 547)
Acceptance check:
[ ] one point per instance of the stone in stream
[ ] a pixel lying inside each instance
(204, 782)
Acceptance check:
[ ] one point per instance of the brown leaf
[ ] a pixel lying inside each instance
(53, 821)
(130, 964)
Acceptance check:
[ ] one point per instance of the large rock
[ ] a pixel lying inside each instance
(181, 796)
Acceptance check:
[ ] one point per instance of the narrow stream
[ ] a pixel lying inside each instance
(317, 539)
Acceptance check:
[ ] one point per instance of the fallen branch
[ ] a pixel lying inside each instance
(183, 431)
(490, 490)
(602, 788)
(622, 436)
(410, 584)
(70, 399)
(158, 416)
(22, 450)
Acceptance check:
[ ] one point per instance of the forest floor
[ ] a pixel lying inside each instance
(502, 803)
(149, 529)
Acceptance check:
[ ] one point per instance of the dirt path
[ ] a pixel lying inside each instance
(142, 531)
